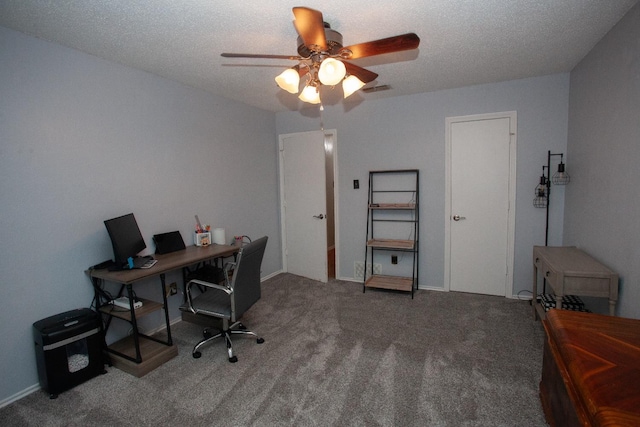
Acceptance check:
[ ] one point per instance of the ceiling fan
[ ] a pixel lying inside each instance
(323, 59)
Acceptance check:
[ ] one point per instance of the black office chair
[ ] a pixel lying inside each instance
(230, 299)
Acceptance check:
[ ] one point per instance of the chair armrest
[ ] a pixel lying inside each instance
(215, 286)
(222, 288)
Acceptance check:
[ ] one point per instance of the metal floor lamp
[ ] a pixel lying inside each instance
(543, 191)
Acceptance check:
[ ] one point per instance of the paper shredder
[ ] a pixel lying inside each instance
(68, 349)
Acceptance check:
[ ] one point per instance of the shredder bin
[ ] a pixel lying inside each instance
(68, 349)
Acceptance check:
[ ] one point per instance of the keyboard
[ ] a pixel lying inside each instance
(140, 262)
(149, 263)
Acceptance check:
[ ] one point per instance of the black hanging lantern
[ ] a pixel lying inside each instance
(561, 177)
(540, 200)
(543, 189)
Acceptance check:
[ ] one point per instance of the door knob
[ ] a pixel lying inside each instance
(458, 217)
(319, 216)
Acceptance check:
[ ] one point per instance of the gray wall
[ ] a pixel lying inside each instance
(409, 132)
(602, 212)
(83, 140)
(76, 132)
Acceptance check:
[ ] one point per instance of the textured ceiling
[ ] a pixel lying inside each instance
(463, 42)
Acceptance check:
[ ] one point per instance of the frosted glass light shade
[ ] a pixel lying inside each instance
(289, 80)
(331, 72)
(310, 94)
(350, 85)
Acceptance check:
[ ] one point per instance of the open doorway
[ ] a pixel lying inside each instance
(308, 172)
(329, 148)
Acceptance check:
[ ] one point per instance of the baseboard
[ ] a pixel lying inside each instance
(24, 393)
(349, 279)
(274, 274)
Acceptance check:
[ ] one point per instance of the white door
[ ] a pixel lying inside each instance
(302, 172)
(481, 194)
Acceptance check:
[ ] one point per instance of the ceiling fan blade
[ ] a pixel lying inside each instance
(378, 47)
(310, 25)
(364, 75)
(254, 55)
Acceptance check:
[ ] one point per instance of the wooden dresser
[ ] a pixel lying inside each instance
(591, 370)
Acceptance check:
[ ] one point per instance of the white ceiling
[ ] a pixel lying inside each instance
(463, 42)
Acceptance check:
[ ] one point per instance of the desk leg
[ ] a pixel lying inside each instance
(166, 309)
(534, 301)
(134, 324)
(185, 273)
(104, 326)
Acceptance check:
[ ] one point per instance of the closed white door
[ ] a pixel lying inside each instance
(480, 216)
(303, 185)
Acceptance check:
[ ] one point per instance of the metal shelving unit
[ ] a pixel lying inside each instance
(393, 213)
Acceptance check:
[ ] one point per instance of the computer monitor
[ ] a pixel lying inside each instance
(125, 237)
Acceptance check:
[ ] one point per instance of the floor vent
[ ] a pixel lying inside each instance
(358, 269)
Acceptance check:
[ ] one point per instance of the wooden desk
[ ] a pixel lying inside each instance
(570, 271)
(140, 353)
(590, 370)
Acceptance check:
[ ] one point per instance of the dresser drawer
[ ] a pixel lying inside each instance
(588, 286)
(547, 273)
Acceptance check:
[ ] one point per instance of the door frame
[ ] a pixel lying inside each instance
(513, 129)
(283, 233)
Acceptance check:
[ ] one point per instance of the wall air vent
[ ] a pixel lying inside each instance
(376, 88)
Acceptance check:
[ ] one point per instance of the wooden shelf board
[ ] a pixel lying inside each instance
(153, 354)
(390, 282)
(148, 306)
(391, 244)
(392, 206)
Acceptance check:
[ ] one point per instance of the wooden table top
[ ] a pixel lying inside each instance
(167, 262)
(602, 358)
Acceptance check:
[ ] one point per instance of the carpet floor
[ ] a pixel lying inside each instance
(333, 356)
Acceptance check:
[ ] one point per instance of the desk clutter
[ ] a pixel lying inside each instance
(204, 236)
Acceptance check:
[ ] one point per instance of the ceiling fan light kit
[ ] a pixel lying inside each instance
(289, 80)
(331, 72)
(310, 94)
(322, 57)
(350, 85)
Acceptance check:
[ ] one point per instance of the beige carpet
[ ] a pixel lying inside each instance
(333, 356)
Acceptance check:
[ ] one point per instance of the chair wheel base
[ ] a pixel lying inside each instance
(260, 340)
(196, 355)
(233, 359)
